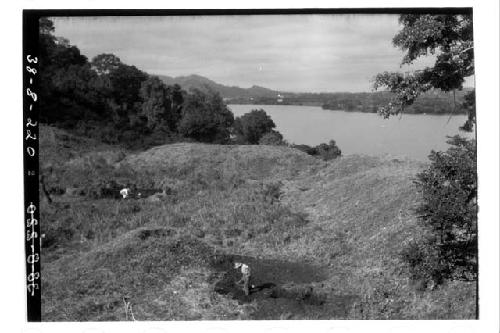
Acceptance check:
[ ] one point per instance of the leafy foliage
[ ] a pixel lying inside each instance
(450, 35)
(205, 117)
(426, 267)
(450, 38)
(70, 90)
(120, 104)
(105, 63)
(326, 151)
(431, 102)
(251, 127)
(470, 105)
(272, 138)
(449, 186)
(159, 106)
(449, 208)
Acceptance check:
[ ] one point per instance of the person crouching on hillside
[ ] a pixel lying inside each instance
(125, 192)
(245, 278)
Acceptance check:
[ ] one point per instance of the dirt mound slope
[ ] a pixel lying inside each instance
(322, 238)
(250, 162)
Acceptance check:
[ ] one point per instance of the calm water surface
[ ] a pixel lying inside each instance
(413, 136)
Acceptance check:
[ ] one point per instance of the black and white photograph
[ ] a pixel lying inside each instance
(248, 165)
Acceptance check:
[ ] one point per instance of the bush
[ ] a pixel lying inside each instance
(272, 191)
(449, 209)
(273, 138)
(252, 126)
(424, 263)
(324, 151)
(306, 149)
(328, 151)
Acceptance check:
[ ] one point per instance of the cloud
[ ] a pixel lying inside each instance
(284, 52)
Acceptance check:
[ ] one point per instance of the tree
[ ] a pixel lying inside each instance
(177, 100)
(449, 186)
(156, 102)
(205, 117)
(448, 37)
(161, 104)
(251, 126)
(449, 208)
(70, 91)
(126, 84)
(105, 63)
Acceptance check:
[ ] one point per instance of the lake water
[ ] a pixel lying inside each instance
(413, 136)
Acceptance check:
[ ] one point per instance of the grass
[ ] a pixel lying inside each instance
(350, 218)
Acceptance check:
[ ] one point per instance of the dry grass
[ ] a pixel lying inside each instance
(351, 217)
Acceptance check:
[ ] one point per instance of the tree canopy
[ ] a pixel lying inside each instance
(205, 117)
(251, 127)
(161, 105)
(105, 63)
(119, 103)
(449, 38)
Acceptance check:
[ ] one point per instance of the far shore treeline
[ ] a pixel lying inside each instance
(433, 102)
(117, 103)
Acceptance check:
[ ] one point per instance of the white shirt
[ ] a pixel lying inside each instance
(245, 270)
(125, 192)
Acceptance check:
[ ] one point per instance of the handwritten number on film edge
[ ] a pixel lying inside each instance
(30, 60)
(31, 150)
(31, 222)
(33, 257)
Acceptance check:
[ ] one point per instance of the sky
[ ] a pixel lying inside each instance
(295, 53)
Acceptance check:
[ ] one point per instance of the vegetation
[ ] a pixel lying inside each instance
(449, 186)
(121, 105)
(162, 105)
(324, 151)
(273, 138)
(432, 102)
(449, 208)
(449, 37)
(323, 235)
(252, 126)
(206, 118)
(327, 235)
(118, 103)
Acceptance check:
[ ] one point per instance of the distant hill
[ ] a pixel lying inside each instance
(432, 102)
(200, 82)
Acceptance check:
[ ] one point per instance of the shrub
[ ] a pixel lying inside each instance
(328, 151)
(449, 210)
(306, 149)
(272, 191)
(251, 127)
(324, 151)
(424, 263)
(273, 138)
